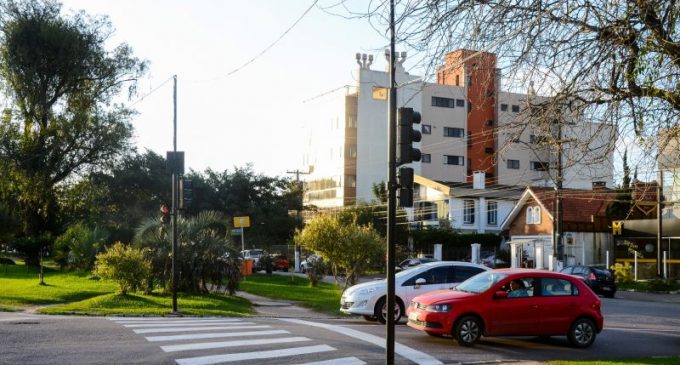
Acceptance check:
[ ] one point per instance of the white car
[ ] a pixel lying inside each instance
(368, 299)
(254, 255)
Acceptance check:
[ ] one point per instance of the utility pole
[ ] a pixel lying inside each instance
(298, 255)
(175, 196)
(391, 194)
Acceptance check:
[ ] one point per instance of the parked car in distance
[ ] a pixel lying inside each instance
(307, 263)
(598, 278)
(369, 299)
(281, 262)
(413, 262)
(540, 303)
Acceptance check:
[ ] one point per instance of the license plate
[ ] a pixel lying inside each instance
(606, 288)
(413, 316)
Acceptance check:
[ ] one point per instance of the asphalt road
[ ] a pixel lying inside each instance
(295, 336)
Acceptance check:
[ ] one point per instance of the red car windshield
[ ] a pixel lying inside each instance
(480, 282)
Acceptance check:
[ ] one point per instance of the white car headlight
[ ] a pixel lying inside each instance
(440, 308)
(365, 291)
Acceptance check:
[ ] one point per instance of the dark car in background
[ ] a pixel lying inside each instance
(598, 278)
(414, 262)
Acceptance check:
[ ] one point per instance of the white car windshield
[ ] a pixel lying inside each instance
(408, 271)
(480, 282)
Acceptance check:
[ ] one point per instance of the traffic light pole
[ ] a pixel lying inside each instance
(392, 195)
(175, 198)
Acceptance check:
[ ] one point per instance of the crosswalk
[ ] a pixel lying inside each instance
(205, 341)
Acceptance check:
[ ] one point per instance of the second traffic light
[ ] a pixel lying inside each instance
(406, 136)
(405, 178)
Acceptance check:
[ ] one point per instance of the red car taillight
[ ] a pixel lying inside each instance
(596, 305)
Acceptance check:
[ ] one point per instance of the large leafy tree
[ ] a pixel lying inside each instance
(350, 248)
(616, 62)
(268, 201)
(61, 80)
(121, 198)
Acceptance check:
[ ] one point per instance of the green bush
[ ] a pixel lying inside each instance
(78, 246)
(6, 261)
(623, 273)
(661, 285)
(124, 265)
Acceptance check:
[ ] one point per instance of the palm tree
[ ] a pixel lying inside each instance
(203, 247)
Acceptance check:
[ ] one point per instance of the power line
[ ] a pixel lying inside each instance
(266, 49)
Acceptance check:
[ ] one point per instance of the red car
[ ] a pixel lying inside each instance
(511, 302)
(281, 263)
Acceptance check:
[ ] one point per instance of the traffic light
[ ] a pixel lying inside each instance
(406, 136)
(185, 190)
(165, 214)
(405, 178)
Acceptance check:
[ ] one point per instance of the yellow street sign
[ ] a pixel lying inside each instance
(240, 222)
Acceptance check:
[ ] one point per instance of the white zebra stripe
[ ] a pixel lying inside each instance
(193, 329)
(217, 345)
(197, 336)
(215, 359)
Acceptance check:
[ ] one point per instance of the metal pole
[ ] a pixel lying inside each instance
(665, 261)
(558, 197)
(243, 244)
(174, 198)
(392, 195)
(659, 219)
(635, 264)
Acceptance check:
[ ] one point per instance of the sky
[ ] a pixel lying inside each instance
(260, 114)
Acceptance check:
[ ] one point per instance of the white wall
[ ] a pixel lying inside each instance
(372, 127)
(435, 143)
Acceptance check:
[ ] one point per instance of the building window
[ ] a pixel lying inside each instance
(426, 129)
(379, 93)
(454, 160)
(350, 181)
(443, 102)
(457, 80)
(539, 166)
(468, 212)
(515, 108)
(537, 139)
(460, 102)
(454, 132)
(427, 158)
(350, 151)
(504, 107)
(350, 122)
(513, 164)
(537, 215)
(533, 215)
(491, 213)
(469, 106)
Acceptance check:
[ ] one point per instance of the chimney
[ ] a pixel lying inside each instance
(599, 185)
(478, 180)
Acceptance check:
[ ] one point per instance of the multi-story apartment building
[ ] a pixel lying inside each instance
(468, 125)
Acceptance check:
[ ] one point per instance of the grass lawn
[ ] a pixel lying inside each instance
(633, 361)
(77, 293)
(21, 286)
(155, 304)
(323, 298)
